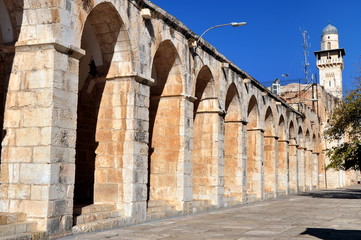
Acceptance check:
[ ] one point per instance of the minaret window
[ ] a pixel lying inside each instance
(329, 45)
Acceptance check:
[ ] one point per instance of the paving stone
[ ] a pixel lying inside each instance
(281, 219)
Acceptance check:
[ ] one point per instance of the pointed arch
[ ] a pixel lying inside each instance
(269, 123)
(204, 89)
(252, 113)
(282, 128)
(166, 70)
(232, 107)
(291, 131)
(307, 139)
(106, 43)
(300, 137)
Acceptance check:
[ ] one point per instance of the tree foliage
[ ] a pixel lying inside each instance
(345, 123)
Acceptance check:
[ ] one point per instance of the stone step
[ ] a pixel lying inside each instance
(8, 218)
(157, 203)
(94, 216)
(160, 209)
(16, 228)
(232, 201)
(151, 216)
(26, 236)
(201, 205)
(102, 224)
(94, 208)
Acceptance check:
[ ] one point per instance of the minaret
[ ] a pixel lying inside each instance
(330, 61)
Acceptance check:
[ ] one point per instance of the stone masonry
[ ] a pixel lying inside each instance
(111, 117)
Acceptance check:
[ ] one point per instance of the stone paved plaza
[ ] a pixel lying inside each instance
(327, 214)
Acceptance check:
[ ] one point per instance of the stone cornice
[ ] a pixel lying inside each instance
(70, 50)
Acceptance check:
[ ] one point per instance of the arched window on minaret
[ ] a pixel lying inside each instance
(328, 45)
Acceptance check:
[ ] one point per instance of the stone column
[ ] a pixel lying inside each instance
(244, 152)
(308, 169)
(321, 171)
(283, 167)
(315, 170)
(233, 166)
(255, 161)
(39, 145)
(301, 169)
(270, 166)
(293, 166)
(208, 162)
(122, 154)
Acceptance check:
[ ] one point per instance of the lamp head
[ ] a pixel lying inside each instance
(237, 24)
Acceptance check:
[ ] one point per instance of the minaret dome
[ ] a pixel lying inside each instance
(329, 38)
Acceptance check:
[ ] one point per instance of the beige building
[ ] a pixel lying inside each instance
(322, 99)
(111, 117)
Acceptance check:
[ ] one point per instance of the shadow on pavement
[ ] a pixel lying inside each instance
(333, 234)
(344, 194)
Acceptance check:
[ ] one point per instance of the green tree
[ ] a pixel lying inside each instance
(345, 122)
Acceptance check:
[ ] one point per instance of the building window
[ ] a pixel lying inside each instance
(328, 45)
(329, 83)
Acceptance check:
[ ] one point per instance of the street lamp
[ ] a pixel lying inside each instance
(233, 24)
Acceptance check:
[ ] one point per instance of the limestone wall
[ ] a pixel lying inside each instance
(109, 115)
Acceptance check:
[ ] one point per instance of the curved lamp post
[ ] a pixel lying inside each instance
(233, 24)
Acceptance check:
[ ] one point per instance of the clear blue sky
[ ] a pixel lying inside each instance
(271, 42)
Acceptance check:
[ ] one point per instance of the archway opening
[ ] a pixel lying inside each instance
(308, 160)
(283, 158)
(301, 160)
(204, 127)
(232, 147)
(270, 155)
(254, 161)
(98, 171)
(164, 129)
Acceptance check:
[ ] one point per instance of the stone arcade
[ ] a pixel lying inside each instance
(110, 118)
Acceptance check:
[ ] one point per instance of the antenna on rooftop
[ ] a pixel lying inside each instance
(306, 64)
